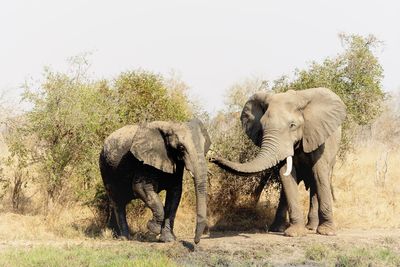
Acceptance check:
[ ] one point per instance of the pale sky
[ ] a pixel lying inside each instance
(212, 44)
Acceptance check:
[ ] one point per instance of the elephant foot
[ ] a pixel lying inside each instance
(154, 227)
(278, 227)
(167, 236)
(312, 225)
(295, 230)
(326, 229)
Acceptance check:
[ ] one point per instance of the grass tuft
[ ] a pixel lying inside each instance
(84, 256)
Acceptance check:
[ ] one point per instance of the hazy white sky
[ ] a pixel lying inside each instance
(212, 44)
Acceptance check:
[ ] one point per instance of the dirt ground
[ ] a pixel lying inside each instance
(350, 247)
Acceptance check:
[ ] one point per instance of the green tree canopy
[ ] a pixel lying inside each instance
(355, 75)
(72, 114)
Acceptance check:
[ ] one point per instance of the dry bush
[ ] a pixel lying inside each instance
(234, 200)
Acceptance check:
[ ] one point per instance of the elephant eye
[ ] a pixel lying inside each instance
(292, 125)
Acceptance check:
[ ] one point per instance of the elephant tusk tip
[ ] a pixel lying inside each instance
(289, 166)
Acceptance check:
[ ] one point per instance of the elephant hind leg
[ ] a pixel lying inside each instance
(118, 197)
(312, 222)
(324, 194)
(113, 224)
(120, 215)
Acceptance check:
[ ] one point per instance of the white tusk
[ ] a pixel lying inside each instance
(289, 163)
(191, 174)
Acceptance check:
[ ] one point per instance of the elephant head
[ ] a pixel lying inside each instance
(278, 122)
(164, 144)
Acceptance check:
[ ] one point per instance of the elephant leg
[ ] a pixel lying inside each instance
(113, 224)
(118, 197)
(173, 198)
(324, 195)
(280, 223)
(120, 215)
(312, 220)
(290, 187)
(146, 192)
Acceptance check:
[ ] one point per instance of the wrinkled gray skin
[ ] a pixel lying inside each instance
(305, 125)
(139, 161)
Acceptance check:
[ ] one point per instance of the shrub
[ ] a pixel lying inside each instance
(72, 114)
(355, 75)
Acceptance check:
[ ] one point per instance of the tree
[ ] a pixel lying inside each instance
(143, 96)
(71, 116)
(355, 75)
(239, 93)
(231, 194)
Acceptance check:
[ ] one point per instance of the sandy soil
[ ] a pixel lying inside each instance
(235, 248)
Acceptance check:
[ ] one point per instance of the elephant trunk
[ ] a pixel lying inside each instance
(199, 173)
(272, 151)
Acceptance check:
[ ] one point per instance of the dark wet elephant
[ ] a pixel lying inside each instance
(138, 161)
(303, 127)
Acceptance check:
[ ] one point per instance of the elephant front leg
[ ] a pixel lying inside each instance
(324, 194)
(312, 222)
(280, 223)
(172, 200)
(296, 220)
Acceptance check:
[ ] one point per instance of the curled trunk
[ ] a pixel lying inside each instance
(272, 151)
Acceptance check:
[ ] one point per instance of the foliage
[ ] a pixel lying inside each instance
(355, 75)
(55, 145)
(143, 96)
(239, 93)
(233, 144)
(4, 183)
(230, 192)
(72, 114)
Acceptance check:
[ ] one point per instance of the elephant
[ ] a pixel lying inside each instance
(303, 127)
(139, 161)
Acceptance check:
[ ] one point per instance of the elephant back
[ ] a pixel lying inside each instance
(118, 143)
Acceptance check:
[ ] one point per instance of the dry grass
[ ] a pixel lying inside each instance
(362, 200)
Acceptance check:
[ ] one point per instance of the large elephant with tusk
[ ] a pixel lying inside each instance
(303, 128)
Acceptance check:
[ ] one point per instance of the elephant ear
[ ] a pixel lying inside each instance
(149, 146)
(323, 112)
(252, 112)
